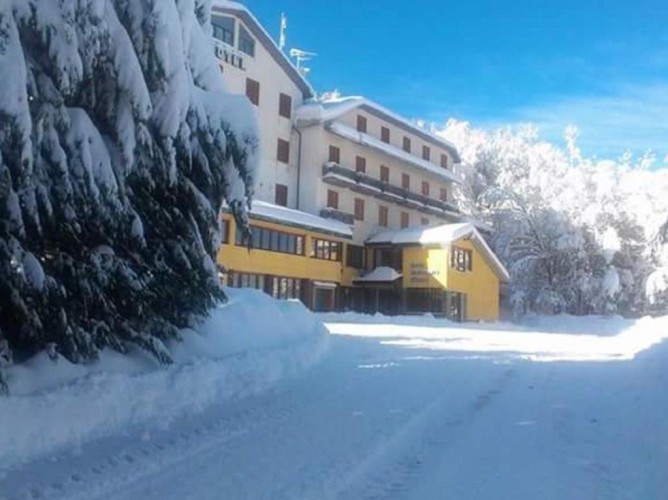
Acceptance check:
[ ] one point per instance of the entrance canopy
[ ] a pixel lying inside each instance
(379, 276)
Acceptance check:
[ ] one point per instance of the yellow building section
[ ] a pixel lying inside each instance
(257, 261)
(430, 268)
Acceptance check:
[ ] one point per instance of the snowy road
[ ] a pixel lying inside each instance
(386, 420)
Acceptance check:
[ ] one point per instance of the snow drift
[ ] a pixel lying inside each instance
(244, 347)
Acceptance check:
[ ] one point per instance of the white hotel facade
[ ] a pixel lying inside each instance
(335, 170)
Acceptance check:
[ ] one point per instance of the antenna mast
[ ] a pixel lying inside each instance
(284, 30)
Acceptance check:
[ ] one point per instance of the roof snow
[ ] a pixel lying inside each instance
(289, 216)
(333, 107)
(267, 41)
(380, 275)
(443, 235)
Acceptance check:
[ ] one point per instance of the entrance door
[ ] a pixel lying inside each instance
(323, 299)
(456, 306)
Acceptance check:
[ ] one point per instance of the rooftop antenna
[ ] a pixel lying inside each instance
(300, 57)
(284, 30)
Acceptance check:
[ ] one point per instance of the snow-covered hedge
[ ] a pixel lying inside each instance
(244, 347)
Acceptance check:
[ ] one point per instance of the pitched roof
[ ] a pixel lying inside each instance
(332, 108)
(443, 235)
(241, 11)
(297, 218)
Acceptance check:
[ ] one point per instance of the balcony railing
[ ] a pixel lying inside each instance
(338, 215)
(333, 173)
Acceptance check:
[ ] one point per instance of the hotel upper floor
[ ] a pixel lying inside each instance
(345, 158)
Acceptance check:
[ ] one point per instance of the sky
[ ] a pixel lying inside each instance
(601, 65)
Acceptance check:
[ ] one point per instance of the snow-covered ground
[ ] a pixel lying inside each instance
(398, 408)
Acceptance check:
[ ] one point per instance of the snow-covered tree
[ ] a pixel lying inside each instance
(575, 232)
(118, 144)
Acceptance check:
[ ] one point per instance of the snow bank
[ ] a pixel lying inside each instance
(244, 347)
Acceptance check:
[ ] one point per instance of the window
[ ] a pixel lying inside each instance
(444, 194)
(405, 220)
(384, 174)
(283, 151)
(281, 195)
(246, 42)
(407, 144)
(405, 181)
(225, 231)
(285, 106)
(361, 124)
(426, 153)
(245, 280)
(223, 29)
(326, 250)
(332, 199)
(424, 221)
(253, 91)
(360, 164)
(385, 134)
(382, 216)
(355, 256)
(285, 288)
(334, 154)
(274, 241)
(425, 188)
(444, 161)
(462, 259)
(359, 209)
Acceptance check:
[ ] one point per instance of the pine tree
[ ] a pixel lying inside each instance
(118, 145)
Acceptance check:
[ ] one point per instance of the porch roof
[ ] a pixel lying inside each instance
(380, 275)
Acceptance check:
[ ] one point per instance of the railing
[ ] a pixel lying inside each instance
(384, 190)
(338, 215)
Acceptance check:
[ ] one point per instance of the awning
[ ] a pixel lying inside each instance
(380, 275)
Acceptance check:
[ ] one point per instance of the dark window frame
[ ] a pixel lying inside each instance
(283, 151)
(385, 134)
(246, 41)
(253, 91)
(281, 195)
(334, 154)
(285, 106)
(360, 209)
(362, 124)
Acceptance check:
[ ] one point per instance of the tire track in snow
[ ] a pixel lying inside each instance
(388, 470)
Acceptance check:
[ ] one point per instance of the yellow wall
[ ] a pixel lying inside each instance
(480, 285)
(279, 264)
(430, 268)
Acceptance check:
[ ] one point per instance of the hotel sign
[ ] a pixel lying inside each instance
(421, 274)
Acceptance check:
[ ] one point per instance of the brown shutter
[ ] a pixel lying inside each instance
(359, 209)
(285, 106)
(281, 195)
(407, 144)
(444, 194)
(382, 216)
(405, 220)
(332, 199)
(253, 91)
(425, 188)
(426, 153)
(405, 181)
(334, 154)
(384, 174)
(361, 124)
(444, 161)
(360, 164)
(283, 151)
(385, 134)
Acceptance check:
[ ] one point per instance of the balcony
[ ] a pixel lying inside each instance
(335, 174)
(338, 215)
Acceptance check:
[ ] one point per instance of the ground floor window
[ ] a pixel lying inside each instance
(425, 300)
(286, 288)
(245, 280)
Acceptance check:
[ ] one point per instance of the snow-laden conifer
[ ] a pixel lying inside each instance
(118, 144)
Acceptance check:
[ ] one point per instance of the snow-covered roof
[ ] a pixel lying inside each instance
(390, 150)
(292, 217)
(335, 107)
(442, 235)
(267, 41)
(380, 275)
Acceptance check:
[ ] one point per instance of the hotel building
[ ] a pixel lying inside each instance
(353, 204)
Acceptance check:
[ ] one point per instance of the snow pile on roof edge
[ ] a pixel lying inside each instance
(236, 352)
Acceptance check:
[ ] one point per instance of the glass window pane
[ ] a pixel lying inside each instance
(274, 241)
(300, 245)
(256, 238)
(246, 42)
(283, 243)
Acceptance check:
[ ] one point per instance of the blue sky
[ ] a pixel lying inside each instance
(602, 65)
